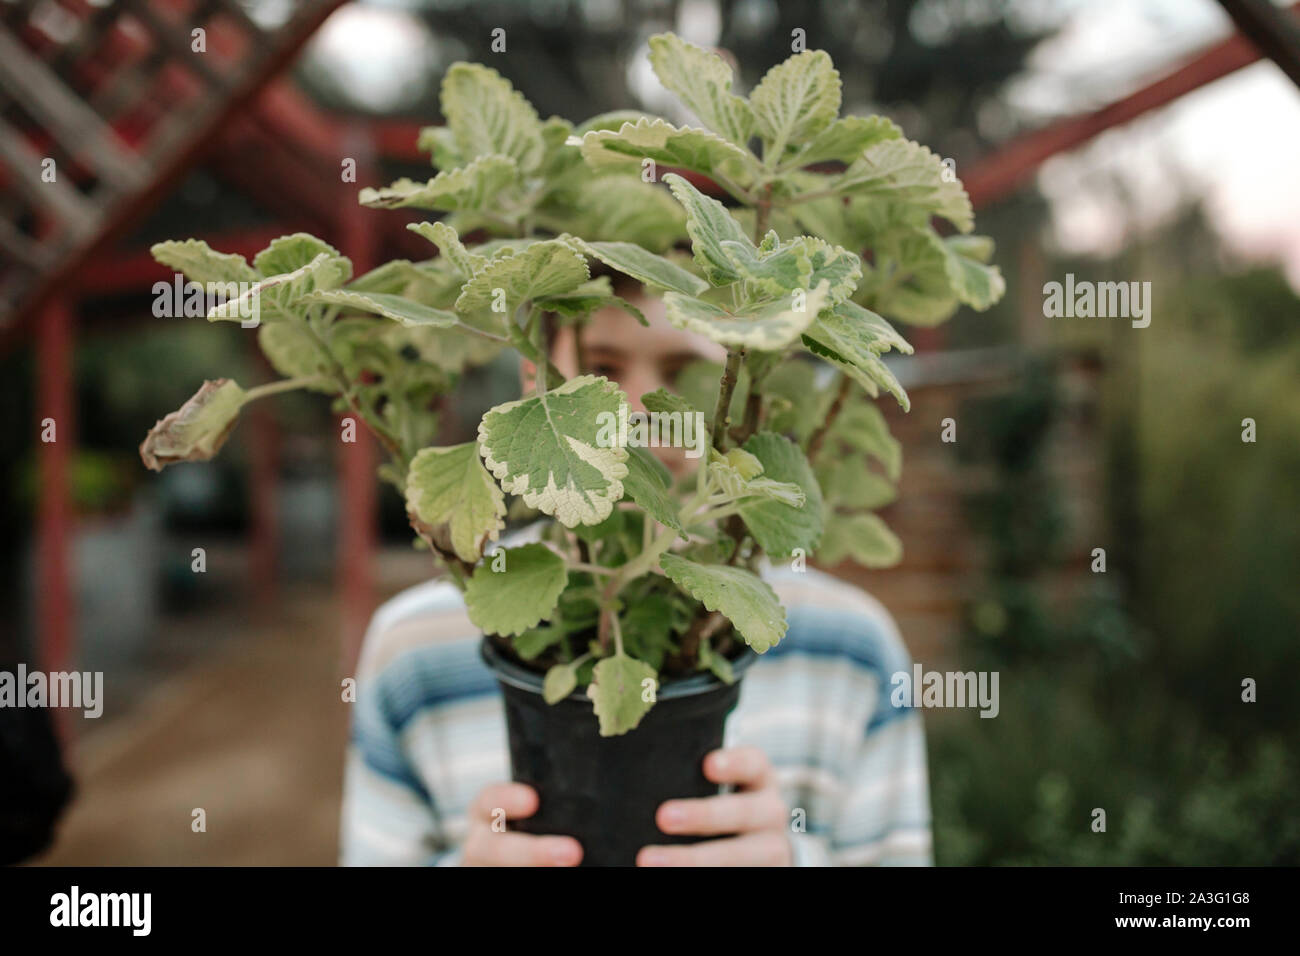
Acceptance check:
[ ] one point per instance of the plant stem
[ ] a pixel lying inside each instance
(539, 343)
(726, 388)
(762, 213)
(284, 385)
(481, 333)
(837, 406)
(618, 634)
(590, 568)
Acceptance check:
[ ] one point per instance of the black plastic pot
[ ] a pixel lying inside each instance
(604, 791)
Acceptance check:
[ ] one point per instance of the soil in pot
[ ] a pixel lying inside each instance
(604, 791)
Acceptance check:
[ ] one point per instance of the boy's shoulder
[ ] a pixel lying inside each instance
(831, 617)
(828, 617)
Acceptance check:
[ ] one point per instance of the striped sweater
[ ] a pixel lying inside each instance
(428, 730)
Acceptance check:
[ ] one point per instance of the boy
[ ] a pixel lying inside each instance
(825, 770)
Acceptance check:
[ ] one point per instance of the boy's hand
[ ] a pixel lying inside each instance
(486, 846)
(756, 815)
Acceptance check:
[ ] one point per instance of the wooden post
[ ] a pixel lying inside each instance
(56, 428)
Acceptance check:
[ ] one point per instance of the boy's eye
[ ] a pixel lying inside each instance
(607, 369)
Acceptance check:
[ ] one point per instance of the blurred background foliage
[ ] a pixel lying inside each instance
(1130, 701)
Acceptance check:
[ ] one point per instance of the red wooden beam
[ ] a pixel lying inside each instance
(125, 215)
(124, 272)
(55, 406)
(1004, 171)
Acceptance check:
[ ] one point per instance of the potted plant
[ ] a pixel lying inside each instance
(642, 599)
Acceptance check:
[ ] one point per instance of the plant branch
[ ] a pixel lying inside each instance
(591, 568)
(837, 406)
(726, 388)
(762, 213)
(284, 385)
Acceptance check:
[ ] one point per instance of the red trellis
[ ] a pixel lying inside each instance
(259, 134)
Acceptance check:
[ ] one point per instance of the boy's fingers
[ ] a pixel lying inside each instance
(487, 847)
(516, 800)
(725, 813)
(744, 766)
(769, 848)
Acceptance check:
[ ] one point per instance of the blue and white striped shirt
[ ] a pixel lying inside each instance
(428, 730)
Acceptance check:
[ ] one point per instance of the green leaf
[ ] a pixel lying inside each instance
(200, 263)
(917, 288)
(440, 142)
(625, 209)
(833, 264)
(449, 491)
(975, 284)
(847, 483)
(795, 101)
(864, 538)
(449, 244)
(517, 598)
(648, 629)
(775, 270)
(699, 150)
(852, 330)
(903, 170)
(853, 338)
(615, 524)
(846, 139)
(390, 306)
(780, 528)
(487, 115)
(618, 693)
(711, 660)
(741, 596)
(293, 353)
(587, 298)
(530, 644)
(290, 253)
(393, 277)
(768, 326)
(647, 483)
(702, 80)
(560, 681)
(471, 188)
(665, 402)
(709, 225)
(795, 402)
(197, 430)
(646, 267)
(542, 269)
(738, 474)
(553, 450)
(275, 297)
(865, 368)
(862, 426)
